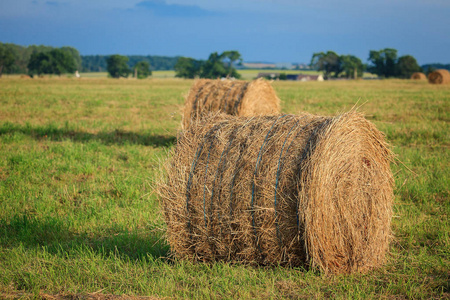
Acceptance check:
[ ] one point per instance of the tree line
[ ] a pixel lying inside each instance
(98, 63)
(37, 60)
(15, 59)
(216, 66)
(385, 63)
(117, 66)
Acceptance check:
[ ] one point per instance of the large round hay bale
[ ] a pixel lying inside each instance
(280, 190)
(440, 76)
(418, 76)
(233, 97)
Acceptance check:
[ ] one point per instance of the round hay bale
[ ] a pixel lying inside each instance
(233, 97)
(440, 76)
(280, 190)
(418, 76)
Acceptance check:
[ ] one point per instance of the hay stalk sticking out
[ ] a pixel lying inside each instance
(289, 190)
(233, 97)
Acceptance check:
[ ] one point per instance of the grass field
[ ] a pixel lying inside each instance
(247, 74)
(79, 216)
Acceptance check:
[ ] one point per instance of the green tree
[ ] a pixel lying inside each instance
(282, 76)
(220, 65)
(40, 63)
(142, 69)
(217, 65)
(6, 59)
(213, 67)
(62, 61)
(76, 56)
(187, 67)
(56, 61)
(327, 62)
(406, 66)
(352, 66)
(229, 58)
(117, 66)
(383, 62)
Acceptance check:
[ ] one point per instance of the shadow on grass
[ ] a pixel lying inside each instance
(117, 136)
(58, 239)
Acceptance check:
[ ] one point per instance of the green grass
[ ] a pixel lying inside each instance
(78, 212)
(246, 74)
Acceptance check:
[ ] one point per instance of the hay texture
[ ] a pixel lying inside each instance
(441, 76)
(280, 190)
(233, 97)
(418, 76)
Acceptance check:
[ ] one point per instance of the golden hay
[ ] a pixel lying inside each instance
(440, 76)
(418, 76)
(280, 190)
(233, 97)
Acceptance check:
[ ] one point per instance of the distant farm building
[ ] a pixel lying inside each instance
(304, 77)
(271, 75)
(295, 77)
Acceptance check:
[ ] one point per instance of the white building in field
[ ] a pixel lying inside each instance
(305, 77)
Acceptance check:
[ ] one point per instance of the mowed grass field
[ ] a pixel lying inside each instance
(79, 216)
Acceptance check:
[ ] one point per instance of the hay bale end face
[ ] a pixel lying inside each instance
(441, 76)
(280, 190)
(233, 97)
(418, 76)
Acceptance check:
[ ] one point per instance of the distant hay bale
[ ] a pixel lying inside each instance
(233, 97)
(440, 76)
(280, 190)
(418, 76)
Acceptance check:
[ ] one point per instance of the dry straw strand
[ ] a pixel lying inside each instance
(233, 97)
(440, 76)
(280, 190)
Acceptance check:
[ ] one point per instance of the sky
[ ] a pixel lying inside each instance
(261, 30)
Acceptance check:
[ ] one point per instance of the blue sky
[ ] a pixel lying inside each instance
(261, 30)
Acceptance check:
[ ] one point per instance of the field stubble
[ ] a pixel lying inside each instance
(78, 213)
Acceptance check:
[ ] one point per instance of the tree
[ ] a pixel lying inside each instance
(383, 62)
(57, 61)
(282, 76)
(40, 63)
(76, 56)
(142, 69)
(229, 57)
(6, 59)
(187, 67)
(62, 61)
(327, 62)
(117, 66)
(406, 66)
(215, 67)
(352, 66)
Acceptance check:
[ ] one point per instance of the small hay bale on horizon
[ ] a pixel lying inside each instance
(441, 76)
(280, 190)
(418, 76)
(233, 97)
